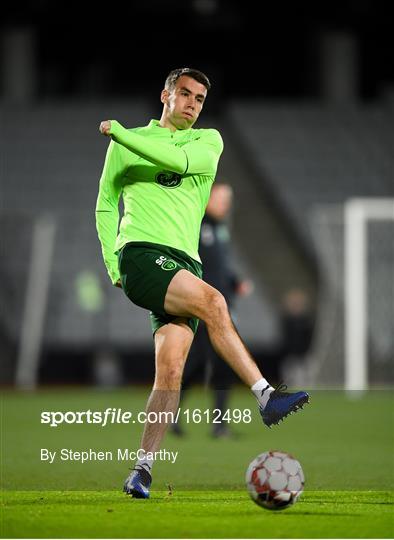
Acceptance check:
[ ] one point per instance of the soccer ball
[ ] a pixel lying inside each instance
(275, 480)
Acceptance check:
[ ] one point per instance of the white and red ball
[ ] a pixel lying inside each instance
(275, 480)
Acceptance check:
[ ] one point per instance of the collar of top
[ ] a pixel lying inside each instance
(155, 124)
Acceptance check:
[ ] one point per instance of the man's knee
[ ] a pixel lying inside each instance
(169, 370)
(215, 306)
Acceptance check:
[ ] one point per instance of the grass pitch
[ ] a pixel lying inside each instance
(345, 447)
(195, 514)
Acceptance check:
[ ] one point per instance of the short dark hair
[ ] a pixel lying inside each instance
(195, 74)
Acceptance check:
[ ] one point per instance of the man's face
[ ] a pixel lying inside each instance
(184, 102)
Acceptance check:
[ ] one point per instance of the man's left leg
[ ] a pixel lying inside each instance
(172, 345)
(221, 381)
(189, 296)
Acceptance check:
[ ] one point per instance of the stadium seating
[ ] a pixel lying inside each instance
(53, 160)
(314, 154)
(315, 157)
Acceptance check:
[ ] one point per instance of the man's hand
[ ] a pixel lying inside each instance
(105, 127)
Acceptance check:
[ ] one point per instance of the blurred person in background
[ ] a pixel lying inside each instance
(92, 300)
(297, 325)
(164, 172)
(218, 271)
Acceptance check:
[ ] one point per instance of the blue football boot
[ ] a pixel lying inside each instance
(281, 404)
(138, 482)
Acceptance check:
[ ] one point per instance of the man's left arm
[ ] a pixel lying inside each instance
(200, 156)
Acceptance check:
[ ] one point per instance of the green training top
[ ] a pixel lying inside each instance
(165, 179)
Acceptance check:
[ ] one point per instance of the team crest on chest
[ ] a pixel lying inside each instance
(169, 179)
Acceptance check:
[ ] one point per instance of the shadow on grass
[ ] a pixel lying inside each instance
(317, 513)
(328, 501)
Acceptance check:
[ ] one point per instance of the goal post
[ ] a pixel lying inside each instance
(33, 319)
(358, 212)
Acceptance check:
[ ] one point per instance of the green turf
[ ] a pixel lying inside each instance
(196, 514)
(345, 447)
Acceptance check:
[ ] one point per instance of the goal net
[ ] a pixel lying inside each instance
(354, 347)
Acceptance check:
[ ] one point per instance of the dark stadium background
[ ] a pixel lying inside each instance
(65, 67)
(271, 52)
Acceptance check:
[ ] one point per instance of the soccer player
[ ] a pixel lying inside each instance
(164, 172)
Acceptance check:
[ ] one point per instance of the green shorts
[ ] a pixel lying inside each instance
(146, 270)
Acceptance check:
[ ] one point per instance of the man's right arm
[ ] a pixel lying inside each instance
(107, 208)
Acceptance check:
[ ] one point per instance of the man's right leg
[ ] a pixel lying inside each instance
(195, 369)
(172, 345)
